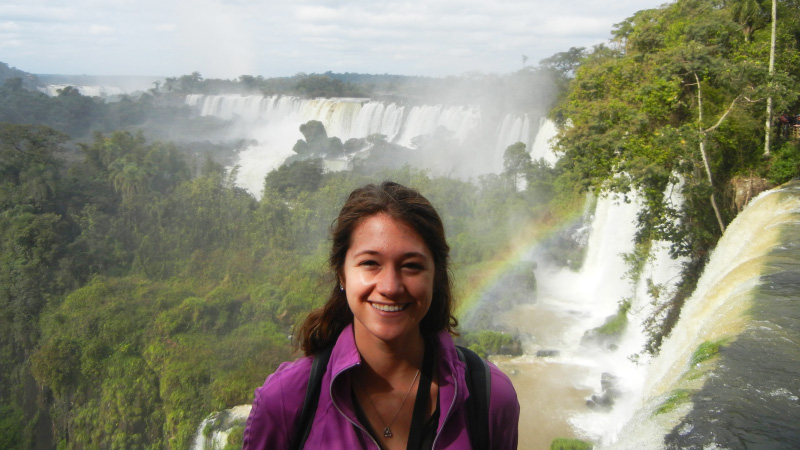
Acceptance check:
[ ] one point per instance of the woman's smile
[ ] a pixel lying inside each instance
(388, 308)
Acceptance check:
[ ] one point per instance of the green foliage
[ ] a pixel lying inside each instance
(487, 342)
(516, 162)
(570, 444)
(616, 324)
(705, 351)
(11, 426)
(325, 86)
(673, 400)
(785, 163)
(289, 180)
(317, 144)
(235, 438)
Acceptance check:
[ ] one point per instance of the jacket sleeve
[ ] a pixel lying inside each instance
(504, 412)
(276, 407)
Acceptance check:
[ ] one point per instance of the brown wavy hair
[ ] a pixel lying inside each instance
(323, 325)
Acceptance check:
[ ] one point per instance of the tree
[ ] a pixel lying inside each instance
(516, 162)
(293, 178)
(317, 144)
(768, 123)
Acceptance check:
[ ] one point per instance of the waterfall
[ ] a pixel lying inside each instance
(745, 304)
(574, 379)
(344, 118)
(213, 432)
(747, 299)
(561, 369)
(541, 148)
(273, 122)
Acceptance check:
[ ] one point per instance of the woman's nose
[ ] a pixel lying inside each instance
(390, 283)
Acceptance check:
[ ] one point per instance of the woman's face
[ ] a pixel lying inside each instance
(388, 278)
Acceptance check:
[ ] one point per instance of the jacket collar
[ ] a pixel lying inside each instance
(452, 384)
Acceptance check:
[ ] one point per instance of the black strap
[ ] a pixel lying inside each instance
(312, 398)
(421, 402)
(479, 383)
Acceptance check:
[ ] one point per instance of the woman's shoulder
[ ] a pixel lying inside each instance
(503, 394)
(277, 405)
(503, 411)
(290, 379)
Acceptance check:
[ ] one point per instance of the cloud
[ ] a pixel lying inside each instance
(228, 38)
(100, 29)
(168, 27)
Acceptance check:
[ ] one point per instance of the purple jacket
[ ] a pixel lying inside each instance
(277, 404)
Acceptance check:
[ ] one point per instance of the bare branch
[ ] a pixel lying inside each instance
(721, 119)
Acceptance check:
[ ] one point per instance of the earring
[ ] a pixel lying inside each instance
(341, 288)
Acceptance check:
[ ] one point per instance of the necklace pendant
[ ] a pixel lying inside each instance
(387, 432)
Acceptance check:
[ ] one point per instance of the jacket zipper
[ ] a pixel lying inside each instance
(447, 414)
(330, 392)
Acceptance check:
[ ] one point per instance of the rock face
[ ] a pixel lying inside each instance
(213, 432)
(547, 353)
(746, 188)
(610, 391)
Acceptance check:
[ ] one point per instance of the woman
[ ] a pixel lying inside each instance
(393, 362)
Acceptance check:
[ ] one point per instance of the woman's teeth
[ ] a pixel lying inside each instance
(388, 308)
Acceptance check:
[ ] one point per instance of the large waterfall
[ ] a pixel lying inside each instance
(747, 303)
(274, 123)
(745, 307)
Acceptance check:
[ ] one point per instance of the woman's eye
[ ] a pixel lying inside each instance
(368, 262)
(415, 266)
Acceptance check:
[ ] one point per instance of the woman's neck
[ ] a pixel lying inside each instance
(390, 361)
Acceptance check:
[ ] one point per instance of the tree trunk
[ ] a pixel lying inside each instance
(768, 124)
(703, 147)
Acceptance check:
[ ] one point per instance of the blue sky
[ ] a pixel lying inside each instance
(228, 38)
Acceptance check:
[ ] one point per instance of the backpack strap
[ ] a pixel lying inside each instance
(479, 383)
(311, 400)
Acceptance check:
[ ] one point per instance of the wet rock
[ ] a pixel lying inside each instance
(610, 392)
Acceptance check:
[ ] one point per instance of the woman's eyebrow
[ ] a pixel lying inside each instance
(376, 252)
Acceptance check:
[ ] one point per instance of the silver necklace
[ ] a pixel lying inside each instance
(387, 431)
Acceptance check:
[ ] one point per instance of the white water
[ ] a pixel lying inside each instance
(542, 147)
(715, 310)
(568, 305)
(571, 303)
(274, 123)
(217, 438)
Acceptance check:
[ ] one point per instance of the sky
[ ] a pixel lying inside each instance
(271, 38)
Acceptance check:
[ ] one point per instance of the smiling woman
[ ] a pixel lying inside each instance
(387, 323)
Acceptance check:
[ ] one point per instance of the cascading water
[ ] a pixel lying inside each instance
(541, 148)
(559, 372)
(575, 378)
(745, 301)
(745, 304)
(213, 432)
(274, 122)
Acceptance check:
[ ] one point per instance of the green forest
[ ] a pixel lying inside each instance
(141, 289)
